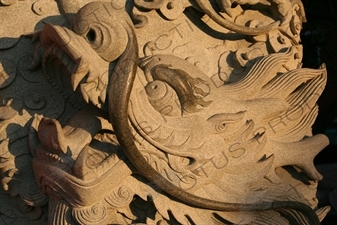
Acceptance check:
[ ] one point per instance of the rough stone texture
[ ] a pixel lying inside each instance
(157, 112)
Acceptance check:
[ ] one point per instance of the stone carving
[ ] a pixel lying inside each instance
(158, 112)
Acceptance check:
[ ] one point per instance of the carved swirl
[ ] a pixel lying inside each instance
(207, 8)
(170, 9)
(95, 214)
(39, 103)
(31, 194)
(120, 197)
(155, 4)
(8, 2)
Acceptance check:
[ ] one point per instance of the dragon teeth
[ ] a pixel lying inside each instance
(102, 96)
(77, 78)
(84, 92)
(80, 70)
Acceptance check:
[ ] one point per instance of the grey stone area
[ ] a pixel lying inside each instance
(158, 112)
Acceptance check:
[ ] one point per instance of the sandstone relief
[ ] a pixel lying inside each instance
(157, 112)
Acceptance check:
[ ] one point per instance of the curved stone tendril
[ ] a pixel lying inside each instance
(206, 8)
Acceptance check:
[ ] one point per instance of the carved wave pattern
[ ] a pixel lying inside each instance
(96, 214)
(31, 193)
(59, 212)
(120, 197)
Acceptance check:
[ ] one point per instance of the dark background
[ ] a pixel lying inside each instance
(319, 38)
(319, 46)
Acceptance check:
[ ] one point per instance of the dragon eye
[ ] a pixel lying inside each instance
(94, 36)
(91, 36)
(108, 38)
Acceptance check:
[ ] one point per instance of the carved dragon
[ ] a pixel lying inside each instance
(233, 140)
(173, 72)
